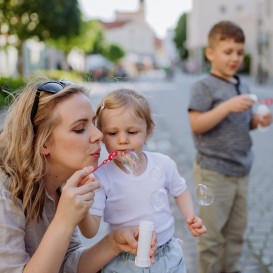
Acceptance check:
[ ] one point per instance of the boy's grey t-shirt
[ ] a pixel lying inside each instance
(227, 147)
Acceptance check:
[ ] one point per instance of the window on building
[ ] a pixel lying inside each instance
(223, 9)
(239, 8)
(268, 8)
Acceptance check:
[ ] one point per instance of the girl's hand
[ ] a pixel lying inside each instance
(77, 197)
(196, 226)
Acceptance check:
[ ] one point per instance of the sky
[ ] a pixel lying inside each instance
(160, 14)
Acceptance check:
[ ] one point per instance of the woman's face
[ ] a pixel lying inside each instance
(75, 141)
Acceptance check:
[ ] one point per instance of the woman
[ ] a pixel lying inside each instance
(49, 147)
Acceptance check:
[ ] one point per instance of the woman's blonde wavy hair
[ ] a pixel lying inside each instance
(20, 156)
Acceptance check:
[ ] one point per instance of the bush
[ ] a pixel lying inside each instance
(72, 76)
(9, 86)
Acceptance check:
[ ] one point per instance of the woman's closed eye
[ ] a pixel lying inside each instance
(79, 131)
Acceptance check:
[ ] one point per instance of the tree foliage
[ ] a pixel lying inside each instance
(43, 19)
(115, 53)
(89, 36)
(40, 19)
(180, 37)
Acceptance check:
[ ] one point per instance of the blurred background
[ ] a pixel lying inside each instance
(103, 40)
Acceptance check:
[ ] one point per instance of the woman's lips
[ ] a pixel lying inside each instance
(96, 154)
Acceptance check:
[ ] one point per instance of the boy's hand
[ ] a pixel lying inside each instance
(196, 226)
(239, 103)
(265, 120)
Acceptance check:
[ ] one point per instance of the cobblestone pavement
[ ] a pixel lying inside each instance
(173, 137)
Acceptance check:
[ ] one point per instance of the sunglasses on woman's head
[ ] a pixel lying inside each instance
(49, 87)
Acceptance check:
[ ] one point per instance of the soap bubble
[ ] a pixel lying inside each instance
(130, 161)
(156, 174)
(159, 199)
(204, 194)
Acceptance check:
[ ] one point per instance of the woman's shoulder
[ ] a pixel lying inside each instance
(6, 196)
(3, 182)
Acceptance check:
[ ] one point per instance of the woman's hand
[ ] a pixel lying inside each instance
(77, 197)
(125, 240)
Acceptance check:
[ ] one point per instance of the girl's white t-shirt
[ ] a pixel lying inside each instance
(124, 199)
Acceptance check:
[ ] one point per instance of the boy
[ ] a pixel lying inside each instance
(221, 117)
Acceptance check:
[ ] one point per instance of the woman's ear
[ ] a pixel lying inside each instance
(45, 150)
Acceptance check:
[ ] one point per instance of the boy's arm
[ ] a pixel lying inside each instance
(89, 226)
(185, 205)
(202, 122)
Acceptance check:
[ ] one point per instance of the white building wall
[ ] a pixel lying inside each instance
(206, 13)
(135, 37)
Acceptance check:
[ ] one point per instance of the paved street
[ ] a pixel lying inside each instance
(173, 137)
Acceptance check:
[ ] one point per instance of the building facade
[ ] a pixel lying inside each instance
(255, 18)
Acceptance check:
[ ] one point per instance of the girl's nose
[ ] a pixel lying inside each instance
(123, 138)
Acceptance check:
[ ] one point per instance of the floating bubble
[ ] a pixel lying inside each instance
(130, 161)
(204, 194)
(156, 174)
(159, 199)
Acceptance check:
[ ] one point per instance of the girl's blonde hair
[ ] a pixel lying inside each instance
(130, 99)
(20, 149)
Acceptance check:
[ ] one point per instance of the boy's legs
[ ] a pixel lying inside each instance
(215, 218)
(235, 227)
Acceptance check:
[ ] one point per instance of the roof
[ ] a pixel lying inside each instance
(114, 24)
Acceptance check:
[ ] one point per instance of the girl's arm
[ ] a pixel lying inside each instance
(89, 226)
(185, 205)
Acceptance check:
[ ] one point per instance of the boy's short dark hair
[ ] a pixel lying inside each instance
(225, 30)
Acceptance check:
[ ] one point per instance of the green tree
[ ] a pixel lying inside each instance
(114, 53)
(180, 36)
(89, 36)
(41, 19)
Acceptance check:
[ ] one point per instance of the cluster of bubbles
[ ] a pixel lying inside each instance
(159, 198)
(130, 161)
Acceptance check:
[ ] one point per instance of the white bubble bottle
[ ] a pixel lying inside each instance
(261, 110)
(144, 243)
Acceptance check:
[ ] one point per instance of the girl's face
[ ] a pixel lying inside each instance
(75, 141)
(123, 130)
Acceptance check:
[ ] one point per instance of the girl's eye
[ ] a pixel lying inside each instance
(112, 133)
(132, 132)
